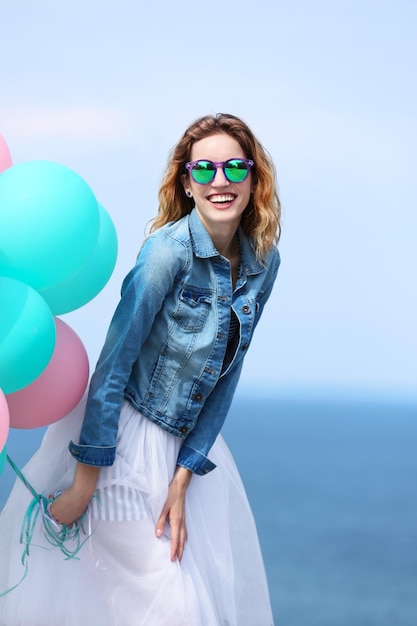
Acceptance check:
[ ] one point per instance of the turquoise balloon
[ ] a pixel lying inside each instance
(91, 278)
(3, 454)
(27, 334)
(49, 223)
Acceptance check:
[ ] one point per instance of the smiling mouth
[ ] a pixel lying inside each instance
(224, 198)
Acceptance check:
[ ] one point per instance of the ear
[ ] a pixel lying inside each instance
(185, 181)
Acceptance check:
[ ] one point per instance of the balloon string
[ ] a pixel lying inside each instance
(22, 478)
(57, 535)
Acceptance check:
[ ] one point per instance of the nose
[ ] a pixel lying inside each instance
(219, 179)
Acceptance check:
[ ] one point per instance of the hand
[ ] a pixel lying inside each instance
(72, 503)
(68, 507)
(173, 512)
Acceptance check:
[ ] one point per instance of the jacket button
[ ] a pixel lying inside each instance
(184, 430)
(198, 397)
(246, 309)
(245, 346)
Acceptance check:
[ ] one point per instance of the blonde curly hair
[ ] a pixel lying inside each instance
(261, 218)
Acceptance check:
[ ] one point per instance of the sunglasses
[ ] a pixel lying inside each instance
(204, 171)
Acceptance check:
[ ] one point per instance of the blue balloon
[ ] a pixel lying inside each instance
(27, 334)
(85, 284)
(49, 223)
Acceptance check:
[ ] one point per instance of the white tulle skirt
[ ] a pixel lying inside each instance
(123, 575)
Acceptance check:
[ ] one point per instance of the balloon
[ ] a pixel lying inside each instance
(2, 458)
(58, 389)
(49, 223)
(91, 278)
(5, 156)
(4, 420)
(27, 334)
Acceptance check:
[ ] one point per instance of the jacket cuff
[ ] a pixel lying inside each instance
(194, 461)
(93, 455)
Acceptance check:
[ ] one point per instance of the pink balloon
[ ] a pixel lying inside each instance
(4, 420)
(5, 156)
(60, 387)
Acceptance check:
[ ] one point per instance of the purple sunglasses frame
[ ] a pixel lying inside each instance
(189, 166)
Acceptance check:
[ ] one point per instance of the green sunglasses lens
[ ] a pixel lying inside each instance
(236, 170)
(203, 172)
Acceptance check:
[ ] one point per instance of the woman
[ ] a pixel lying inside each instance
(173, 542)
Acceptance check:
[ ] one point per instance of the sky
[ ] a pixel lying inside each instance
(328, 87)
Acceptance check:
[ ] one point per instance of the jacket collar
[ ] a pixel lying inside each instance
(203, 245)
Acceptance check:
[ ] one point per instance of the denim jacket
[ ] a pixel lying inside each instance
(166, 348)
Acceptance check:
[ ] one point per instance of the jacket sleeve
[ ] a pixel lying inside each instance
(265, 292)
(193, 453)
(143, 293)
(197, 444)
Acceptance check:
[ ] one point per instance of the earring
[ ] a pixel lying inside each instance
(188, 194)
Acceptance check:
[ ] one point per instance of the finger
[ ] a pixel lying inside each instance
(175, 539)
(160, 525)
(178, 538)
(62, 517)
(182, 541)
(54, 516)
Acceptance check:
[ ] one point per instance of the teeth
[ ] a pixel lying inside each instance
(223, 198)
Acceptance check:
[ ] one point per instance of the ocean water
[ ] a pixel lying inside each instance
(333, 486)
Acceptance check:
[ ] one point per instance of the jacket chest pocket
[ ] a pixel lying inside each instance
(193, 308)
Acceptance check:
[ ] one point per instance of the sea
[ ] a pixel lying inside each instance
(333, 486)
